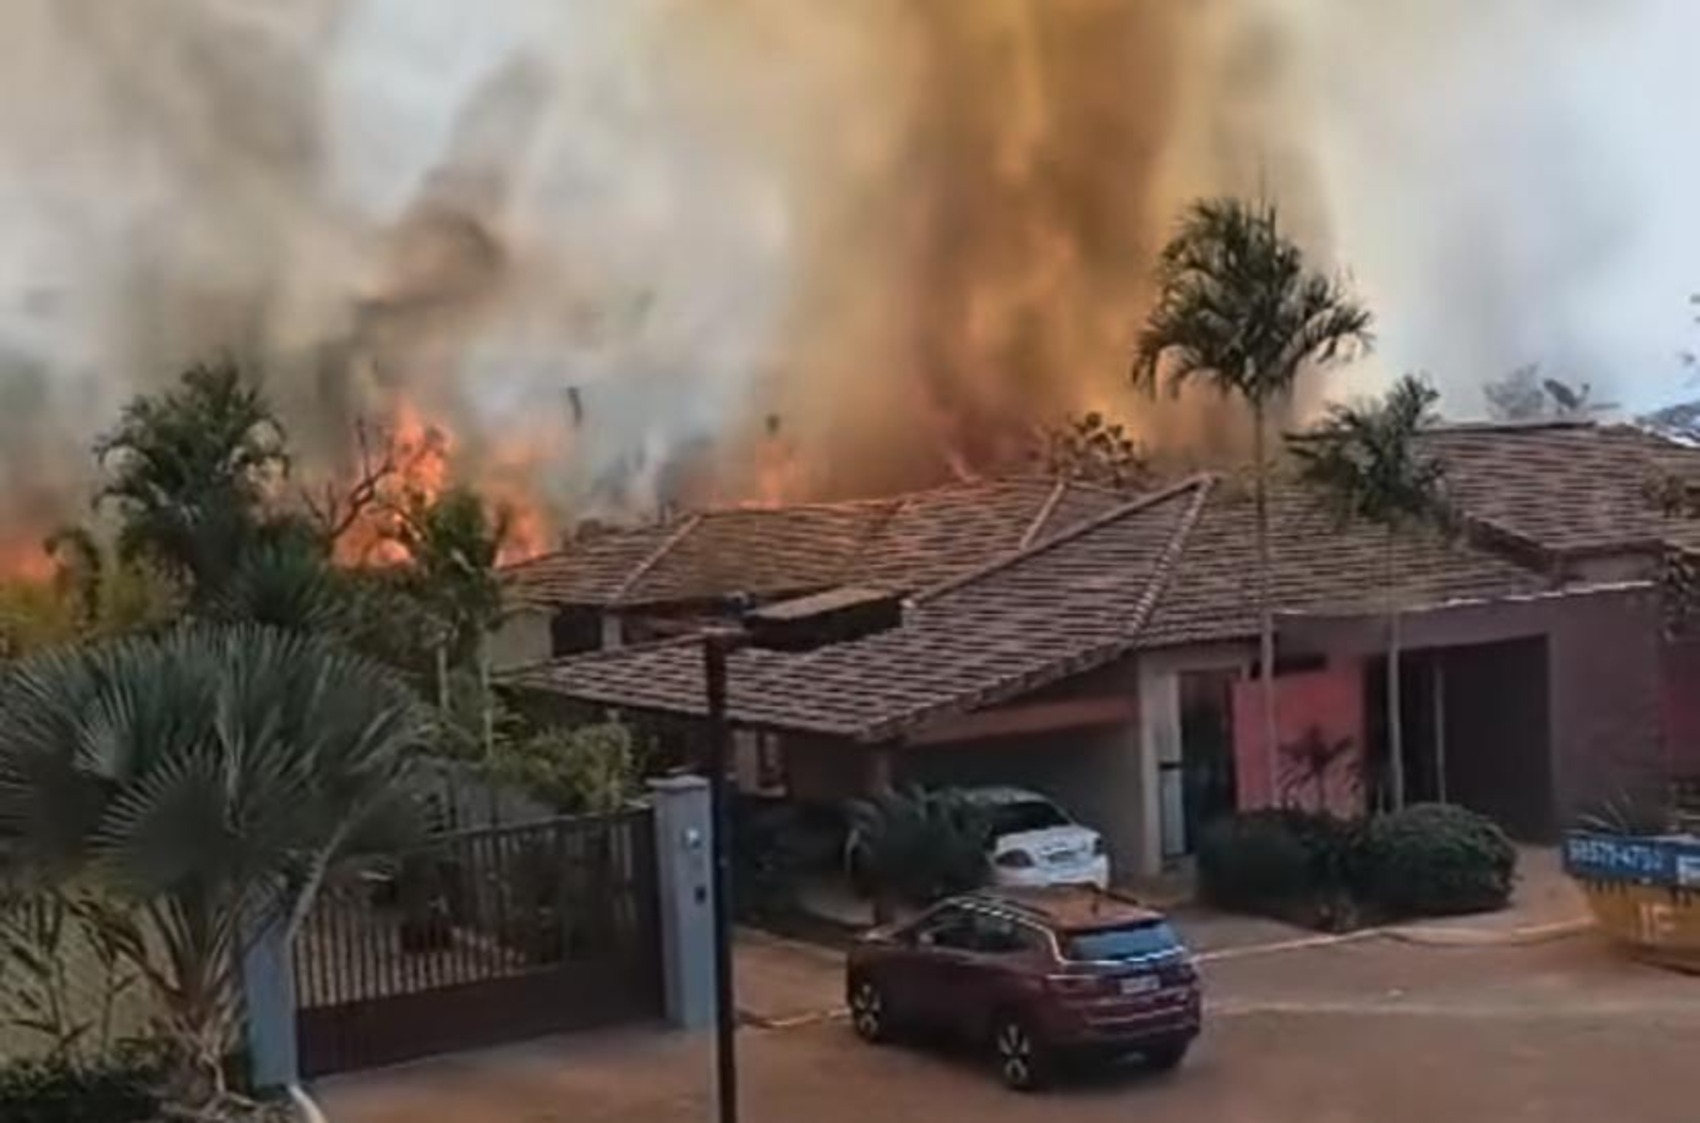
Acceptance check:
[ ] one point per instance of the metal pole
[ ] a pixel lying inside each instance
(1440, 724)
(725, 1012)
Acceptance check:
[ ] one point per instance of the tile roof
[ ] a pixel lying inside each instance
(601, 565)
(1173, 569)
(1317, 565)
(1073, 602)
(903, 543)
(1568, 487)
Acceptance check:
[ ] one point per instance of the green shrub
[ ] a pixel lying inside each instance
(1435, 860)
(918, 845)
(1294, 864)
(776, 844)
(56, 1092)
(1254, 862)
(587, 770)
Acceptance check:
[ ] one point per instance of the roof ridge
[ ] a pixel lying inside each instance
(810, 505)
(1058, 490)
(1098, 653)
(1204, 480)
(643, 567)
(894, 507)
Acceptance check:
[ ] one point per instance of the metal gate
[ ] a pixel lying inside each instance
(479, 938)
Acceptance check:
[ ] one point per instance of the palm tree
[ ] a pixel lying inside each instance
(453, 542)
(1369, 462)
(1238, 308)
(189, 471)
(203, 782)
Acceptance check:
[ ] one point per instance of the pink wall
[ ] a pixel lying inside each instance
(1681, 697)
(1331, 702)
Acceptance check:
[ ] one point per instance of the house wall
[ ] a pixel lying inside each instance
(1606, 697)
(1328, 704)
(1681, 694)
(829, 769)
(522, 640)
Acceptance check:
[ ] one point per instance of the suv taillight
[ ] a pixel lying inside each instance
(1075, 986)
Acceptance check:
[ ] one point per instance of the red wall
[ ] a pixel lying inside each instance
(1331, 701)
(1681, 705)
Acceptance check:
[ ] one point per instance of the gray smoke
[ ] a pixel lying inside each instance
(474, 208)
(1511, 182)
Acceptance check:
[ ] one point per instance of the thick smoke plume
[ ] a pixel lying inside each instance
(628, 251)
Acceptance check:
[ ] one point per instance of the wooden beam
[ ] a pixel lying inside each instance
(1035, 717)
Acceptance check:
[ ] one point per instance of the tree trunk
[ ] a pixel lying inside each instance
(442, 656)
(487, 717)
(1395, 712)
(1265, 602)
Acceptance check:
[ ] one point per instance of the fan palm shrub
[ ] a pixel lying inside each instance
(203, 782)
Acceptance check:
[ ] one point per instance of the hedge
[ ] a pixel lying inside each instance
(1428, 860)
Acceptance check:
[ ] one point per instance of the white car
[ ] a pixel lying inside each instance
(1035, 842)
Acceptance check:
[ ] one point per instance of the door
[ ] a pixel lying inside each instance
(1207, 751)
(924, 978)
(988, 976)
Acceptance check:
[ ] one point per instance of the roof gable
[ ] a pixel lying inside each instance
(1070, 603)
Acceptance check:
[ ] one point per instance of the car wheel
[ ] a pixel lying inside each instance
(868, 1014)
(1020, 1055)
(1168, 1056)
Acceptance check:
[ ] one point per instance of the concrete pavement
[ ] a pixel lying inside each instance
(1371, 1030)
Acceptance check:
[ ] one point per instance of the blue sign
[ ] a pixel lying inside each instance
(1672, 861)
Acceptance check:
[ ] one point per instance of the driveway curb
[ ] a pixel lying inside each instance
(1527, 936)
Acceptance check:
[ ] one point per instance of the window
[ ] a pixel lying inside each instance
(947, 928)
(1137, 941)
(1000, 935)
(1027, 815)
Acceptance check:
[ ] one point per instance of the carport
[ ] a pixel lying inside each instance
(1527, 709)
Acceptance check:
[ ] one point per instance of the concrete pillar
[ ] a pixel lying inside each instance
(1159, 758)
(684, 854)
(268, 984)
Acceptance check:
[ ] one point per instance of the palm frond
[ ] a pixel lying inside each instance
(1367, 461)
(1238, 307)
(203, 775)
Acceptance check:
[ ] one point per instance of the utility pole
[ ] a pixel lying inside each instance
(715, 646)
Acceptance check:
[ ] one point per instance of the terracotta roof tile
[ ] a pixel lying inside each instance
(1067, 605)
(1317, 565)
(1174, 569)
(591, 572)
(1567, 487)
(903, 544)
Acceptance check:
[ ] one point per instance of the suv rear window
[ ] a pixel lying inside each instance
(1137, 941)
(1028, 815)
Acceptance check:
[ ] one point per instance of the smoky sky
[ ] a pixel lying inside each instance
(604, 242)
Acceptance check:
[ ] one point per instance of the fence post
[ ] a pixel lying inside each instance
(268, 985)
(684, 848)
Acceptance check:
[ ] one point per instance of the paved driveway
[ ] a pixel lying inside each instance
(1370, 1031)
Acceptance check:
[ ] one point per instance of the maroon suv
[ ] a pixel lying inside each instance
(1032, 974)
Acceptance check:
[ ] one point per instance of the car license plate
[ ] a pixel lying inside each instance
(1140, 984)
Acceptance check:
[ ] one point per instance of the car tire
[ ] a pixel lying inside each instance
(870, 1017)
(1022, 1059)
(1168, 1056)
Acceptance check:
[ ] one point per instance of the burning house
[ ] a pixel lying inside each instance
(1102, 648)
